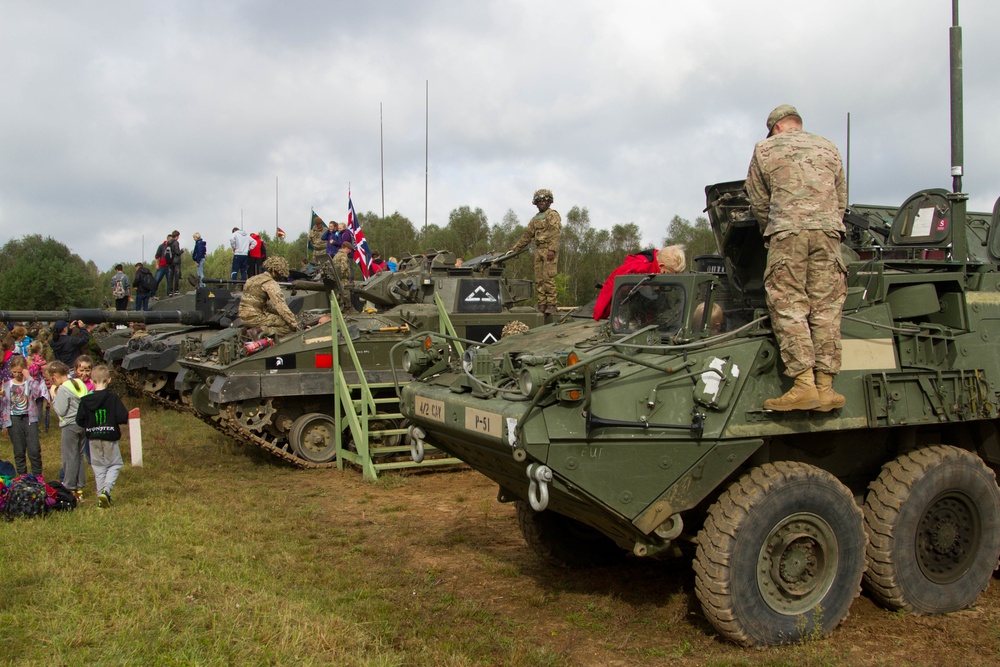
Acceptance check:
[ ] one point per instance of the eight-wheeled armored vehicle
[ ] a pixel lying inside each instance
(281, 397)
(647, 431)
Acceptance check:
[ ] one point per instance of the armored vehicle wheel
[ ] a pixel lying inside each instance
(780, 556)
(253, 414)
(565, 542)
(154, 382)
(312, 437)
(933, 518)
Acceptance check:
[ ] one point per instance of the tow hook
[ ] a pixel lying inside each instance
(416, 436)
(538, 486)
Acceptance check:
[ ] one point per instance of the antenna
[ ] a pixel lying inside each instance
(957, 138)
(381, 150)
(848, 178)
(427, 111)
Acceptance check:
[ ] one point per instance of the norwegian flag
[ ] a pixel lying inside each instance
(362, 255)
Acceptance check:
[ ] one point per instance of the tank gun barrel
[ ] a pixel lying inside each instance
(98, 316)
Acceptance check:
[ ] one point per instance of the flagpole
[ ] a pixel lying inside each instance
(427, 107)
(381, 149)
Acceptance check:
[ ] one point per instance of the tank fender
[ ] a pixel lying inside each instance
(236, 388)
(697, 482)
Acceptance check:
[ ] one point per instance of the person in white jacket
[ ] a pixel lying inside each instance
(242, 244)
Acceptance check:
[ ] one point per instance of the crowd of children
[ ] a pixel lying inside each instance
(33, 381)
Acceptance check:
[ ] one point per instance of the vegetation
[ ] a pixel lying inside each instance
(43, 274)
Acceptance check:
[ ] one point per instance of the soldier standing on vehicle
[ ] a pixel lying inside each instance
(342, 265)
(798, 194)
(263, 305)
(543, 230)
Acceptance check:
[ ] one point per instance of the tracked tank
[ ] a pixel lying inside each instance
(279, 393)
(646, 435)
(149, 362)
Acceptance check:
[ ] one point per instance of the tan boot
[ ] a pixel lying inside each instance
(828, 398)
(802, 395)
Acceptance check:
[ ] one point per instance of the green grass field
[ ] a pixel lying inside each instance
(213, 555)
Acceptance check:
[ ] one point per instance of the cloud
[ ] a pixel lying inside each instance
(125, 121)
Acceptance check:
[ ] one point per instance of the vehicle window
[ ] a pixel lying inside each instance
(640, 305)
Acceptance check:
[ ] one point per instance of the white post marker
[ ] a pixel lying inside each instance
(135, 437)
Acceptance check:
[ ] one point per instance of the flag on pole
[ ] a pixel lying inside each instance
(362, 255)
(281, 233)
(312, 218)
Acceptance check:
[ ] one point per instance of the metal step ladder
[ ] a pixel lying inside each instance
(358, 407)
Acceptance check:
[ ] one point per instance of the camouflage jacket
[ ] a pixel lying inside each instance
(316, 239)
(796, 181)
(261, 295)
(342, 262)
(543, 230)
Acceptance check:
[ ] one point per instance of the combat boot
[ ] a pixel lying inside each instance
(802, 395)
(828, 398)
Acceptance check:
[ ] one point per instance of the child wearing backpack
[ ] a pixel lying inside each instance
(101, 415)
(20, 410)
(66, 395)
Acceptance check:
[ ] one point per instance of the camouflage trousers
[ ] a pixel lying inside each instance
(806, 285)
(545, 277)
(269, 323)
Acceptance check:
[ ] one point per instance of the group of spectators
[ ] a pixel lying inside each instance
(50, 371)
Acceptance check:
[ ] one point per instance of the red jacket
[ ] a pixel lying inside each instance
(255, 252)
(644, 262)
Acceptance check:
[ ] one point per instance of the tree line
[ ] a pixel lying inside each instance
(41, 273)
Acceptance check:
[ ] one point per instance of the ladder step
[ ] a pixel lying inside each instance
(410, 464)
(388, 431)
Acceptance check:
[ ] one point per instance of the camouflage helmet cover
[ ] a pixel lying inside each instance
(277, 265)
(542, 195)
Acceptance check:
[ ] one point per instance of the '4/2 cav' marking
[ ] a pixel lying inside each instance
(429, 408)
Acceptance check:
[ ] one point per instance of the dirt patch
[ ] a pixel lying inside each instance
(447, 529)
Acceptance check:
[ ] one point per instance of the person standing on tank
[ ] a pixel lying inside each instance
(543, 230)
(798, 194)
(198, 255)
(174, 279)
(242, 244)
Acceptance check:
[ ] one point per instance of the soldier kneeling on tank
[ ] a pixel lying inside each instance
(263, 305)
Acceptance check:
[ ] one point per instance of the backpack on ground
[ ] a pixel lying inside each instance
(118, 288)
(25, 498)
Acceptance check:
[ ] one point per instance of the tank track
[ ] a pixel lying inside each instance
(226, 426)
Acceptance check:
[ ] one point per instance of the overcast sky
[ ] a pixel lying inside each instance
(128, 119)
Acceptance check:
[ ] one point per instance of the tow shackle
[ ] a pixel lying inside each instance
(539, 477)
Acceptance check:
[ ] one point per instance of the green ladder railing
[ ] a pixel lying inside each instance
(357, 405)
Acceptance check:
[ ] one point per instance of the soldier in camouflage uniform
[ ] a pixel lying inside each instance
(798, 194)
(263, 305)
(544, 231)
(316, 238)
(342, 265)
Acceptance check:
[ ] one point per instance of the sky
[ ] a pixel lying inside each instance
(121, 121)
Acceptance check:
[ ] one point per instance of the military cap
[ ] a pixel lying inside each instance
(780, 112)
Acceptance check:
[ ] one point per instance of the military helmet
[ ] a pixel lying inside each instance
(542, 195)
(276, 264)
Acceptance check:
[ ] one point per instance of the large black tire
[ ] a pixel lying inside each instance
(933, 521)
(565, 542)
(780, 556)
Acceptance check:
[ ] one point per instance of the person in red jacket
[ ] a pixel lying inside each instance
(255, 261)
(665, 260)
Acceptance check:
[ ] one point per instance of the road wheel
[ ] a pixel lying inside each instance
(780, 556)
(933, 521)
(154, 381)
(565, 542)
(312, 437)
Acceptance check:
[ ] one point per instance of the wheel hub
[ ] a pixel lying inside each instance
(797, 563)
(947, 537)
